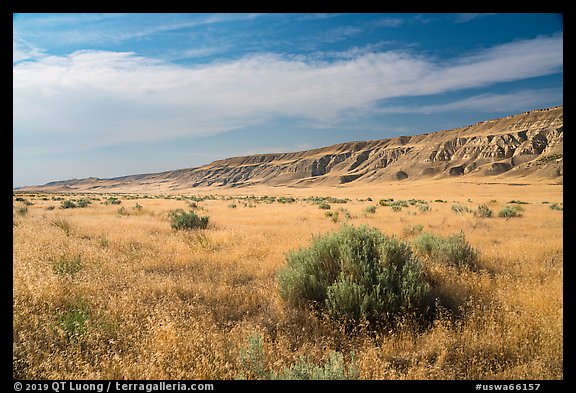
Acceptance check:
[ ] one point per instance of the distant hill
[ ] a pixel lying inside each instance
(528, 145)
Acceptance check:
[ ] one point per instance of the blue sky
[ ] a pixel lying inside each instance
(108, 95)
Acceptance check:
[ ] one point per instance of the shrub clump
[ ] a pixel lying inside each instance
(459, 209)
(67, 204)
(370, 210)
(179, 219)
(255, 365)
(453, 250)
(511, 211)
(356, 274)
(67, 264)
(484, 211)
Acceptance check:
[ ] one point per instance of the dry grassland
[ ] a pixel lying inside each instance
(100, 293)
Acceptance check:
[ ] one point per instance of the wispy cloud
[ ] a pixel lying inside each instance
(489, 103)
(101, 98)
(104, 28)
(467, 17)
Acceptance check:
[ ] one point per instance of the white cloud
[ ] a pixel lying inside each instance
(489, 103)
(467, 17)
(100, 98)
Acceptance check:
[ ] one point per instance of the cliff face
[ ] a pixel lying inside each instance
(525, 145)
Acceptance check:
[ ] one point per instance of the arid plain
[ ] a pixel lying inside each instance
(111, 291)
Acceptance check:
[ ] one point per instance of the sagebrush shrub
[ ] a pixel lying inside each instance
(67, 204)
(354, 274)
(179, 219)
(370, 209)
(67, 264)
(484, 211)
(511, 211)
(454, 249)
(459, 209)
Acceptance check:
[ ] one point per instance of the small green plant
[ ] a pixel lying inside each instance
(138, 207)
(67, 265)
(334, 369)
(459, 209)
(253, 360)
(424, 208)
(441, 201)
(556, 206)
(518, 202)
(453, 250)
(254, 365)
(62, 224)
(232, 206)
(511, 211)
(396, 208)
(24, 201)
(286, 200)
(413, 230)
(385, 202)
(84, 202)
(484, 211)
(113, 201)
(324, 206)
(103, 241)
(355, 274)
(22, 210)
(180, 220)
(370, 209)
(193, 204)
(332, 215)
(123, 212)
(73, 319)
(67, 204)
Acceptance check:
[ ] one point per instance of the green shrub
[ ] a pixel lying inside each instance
(67, 264)
(511, 211)
(396, 208)
(73, 320)
(254, 365)
(413, 230)
(385, 202)
(424, 208)
(113, 201)
(138, 207)
(355, 274)
(232, 206)
(253, 360)
(518, 202)
(453, 250)
(285, 200)
(67, 204)
(22, 210)
(441, 201)
(324, 206)
(179, 219)
(484, 211)
(84, 202)
(459, 209)
(370, 209)
(556, 206)
(334, 216)
(334, 369)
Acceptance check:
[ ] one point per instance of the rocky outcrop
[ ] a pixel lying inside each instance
(528, 144)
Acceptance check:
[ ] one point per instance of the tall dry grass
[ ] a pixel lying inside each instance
(149, 302)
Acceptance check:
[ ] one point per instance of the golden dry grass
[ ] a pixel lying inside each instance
(148, 302)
